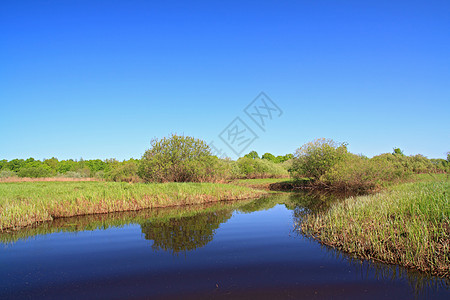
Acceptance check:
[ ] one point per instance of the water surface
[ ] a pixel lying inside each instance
(247, 249)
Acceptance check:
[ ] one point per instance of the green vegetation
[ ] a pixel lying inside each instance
(408, 224)
(173, 159)
(258, 168)
(125, 171)
(118, 219)
(26, 203)
(55, 168)
(270, 157)
(180, 159)
(328, 164)
(159, 217)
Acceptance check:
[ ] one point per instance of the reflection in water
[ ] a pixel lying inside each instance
(184, 234)
(315, 202)
(183, 229)
(118, 219)
(421, 283)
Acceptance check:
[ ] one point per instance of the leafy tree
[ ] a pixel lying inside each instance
(35, 169)
(52, 163)
(398, 151)
(15, 164)
(123, 171)
(66, 165)
(30, 160)
(186, 233)
(260, 168)
(252, 155)
(283, 158)
(314, 159)
(95, 165)
(180, 159)
(269, 156)
(3, 163)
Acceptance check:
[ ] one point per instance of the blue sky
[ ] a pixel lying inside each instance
(100, 79)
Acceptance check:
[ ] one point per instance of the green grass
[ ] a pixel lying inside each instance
(408, 225)
(119, 219)
(145, 216)
(26, 203)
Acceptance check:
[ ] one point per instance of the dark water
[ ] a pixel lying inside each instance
(238, 250)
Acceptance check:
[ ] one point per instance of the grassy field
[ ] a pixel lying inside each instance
(26, 203)
(408, 224)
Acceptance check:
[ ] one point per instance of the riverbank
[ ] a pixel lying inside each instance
(28, 203)
(407, 224)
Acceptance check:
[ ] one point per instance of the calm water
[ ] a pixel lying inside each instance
(248, 249)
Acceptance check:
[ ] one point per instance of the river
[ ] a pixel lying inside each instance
(233, 250)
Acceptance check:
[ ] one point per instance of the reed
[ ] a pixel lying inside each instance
(26, 203)
(407, 224)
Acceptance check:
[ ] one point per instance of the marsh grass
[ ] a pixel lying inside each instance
(28, 179)
(118, 219)
(26, 203)
(408, 225)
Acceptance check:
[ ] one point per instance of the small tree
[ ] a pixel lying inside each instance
(314, 159)
(269, 156)
(398, 151)
(179, 159)
(252, 155)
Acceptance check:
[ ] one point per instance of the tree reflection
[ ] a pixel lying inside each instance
(185, 233)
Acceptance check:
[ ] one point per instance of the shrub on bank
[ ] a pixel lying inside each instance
(330, 165)
(314, 159)
(122, 171)
(360, 174)
(258, 168)
(180, 159)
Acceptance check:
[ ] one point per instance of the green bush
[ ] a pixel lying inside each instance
(314, 159)
(395, 166)
(35, 171)
(330, 165)
(5, 173)
(360, 174)
(252, 155)
(259, 168)
(269, 156)
(66, 166)
(123, 171)
(287, 164)
(440, 164)
(15, 164)
(180, 159)
(73, 174)
(420, 164)
(276, 159)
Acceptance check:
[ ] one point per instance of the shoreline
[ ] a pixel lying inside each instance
(406, 225)
(26, 203)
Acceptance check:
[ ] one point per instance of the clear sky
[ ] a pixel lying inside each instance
(100, 79)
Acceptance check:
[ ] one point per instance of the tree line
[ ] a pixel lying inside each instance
(186, 159)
